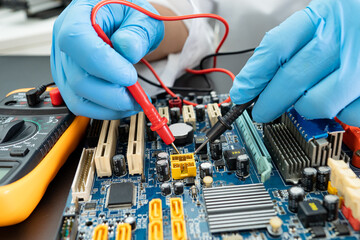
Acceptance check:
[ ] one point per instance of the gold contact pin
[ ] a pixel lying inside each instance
(173, 145)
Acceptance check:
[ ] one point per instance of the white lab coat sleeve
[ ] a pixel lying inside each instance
(198, 44)
(249, 20)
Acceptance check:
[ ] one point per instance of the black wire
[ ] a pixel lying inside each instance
(175, 88)
(204, 75)
(223, 54)
(49, 84)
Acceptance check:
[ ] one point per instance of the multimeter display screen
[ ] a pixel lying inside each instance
(3, 172)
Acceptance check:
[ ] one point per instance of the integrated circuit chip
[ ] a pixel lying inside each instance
(121, 195)
(90, 206)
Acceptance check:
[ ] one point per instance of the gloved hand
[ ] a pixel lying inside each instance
(91, 75)
(311, 60)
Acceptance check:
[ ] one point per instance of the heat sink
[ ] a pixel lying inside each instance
(319, 138)
(288, 156)
(238, 207)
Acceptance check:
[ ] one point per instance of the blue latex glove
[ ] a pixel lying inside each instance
(311, 60)
(91, 75)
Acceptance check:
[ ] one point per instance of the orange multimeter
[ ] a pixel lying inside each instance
(34, 143)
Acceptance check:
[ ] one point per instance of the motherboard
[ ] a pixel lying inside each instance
(289, 179)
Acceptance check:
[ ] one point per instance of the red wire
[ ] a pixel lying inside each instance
(205, 71)
(102, 34)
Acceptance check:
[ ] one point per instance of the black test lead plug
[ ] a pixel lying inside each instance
(33, 95)
(224, 123)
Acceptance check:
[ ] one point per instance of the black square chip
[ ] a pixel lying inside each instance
(311, 213)
(121, 195)
(230, 157)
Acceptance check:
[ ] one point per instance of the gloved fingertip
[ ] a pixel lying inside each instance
(263, 114)
(258, 117)
(349, 117)
(235, 95)
(131, 42)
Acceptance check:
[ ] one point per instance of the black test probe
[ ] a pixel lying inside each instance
(224, 123)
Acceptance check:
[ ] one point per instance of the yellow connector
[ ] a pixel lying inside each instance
(100, 232)
(178, 228)
(183, 165)
(156, 230)
(331, 189)
(155, 210)
(176, 208)
(123, 231)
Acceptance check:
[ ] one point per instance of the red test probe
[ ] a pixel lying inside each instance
(158, 123)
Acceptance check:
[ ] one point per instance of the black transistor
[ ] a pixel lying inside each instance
(342, 229)
(311, 213)
(318, 232)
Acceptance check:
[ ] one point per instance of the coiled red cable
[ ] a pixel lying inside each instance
(103, 36)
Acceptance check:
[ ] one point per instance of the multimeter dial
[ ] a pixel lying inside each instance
(27, 134)
(16, 131)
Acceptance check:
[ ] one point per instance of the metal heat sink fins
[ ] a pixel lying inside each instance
(238, 207)
(287, 154)
(320, 138)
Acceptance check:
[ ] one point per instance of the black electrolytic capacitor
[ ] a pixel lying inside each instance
(206, 169)
(192, 96)
(200, 113)
(224, 108)
(151, 135)
(174, 114)
(178, 188)
(165, 189)
(215, 99)
(323, 178)
(242, 166)
(163, 170)
(200, 99)
(163, 156)
(296, 195)
(308, 179)
(216, 149)
(132, 221)
(118, 164)
(331, 203)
